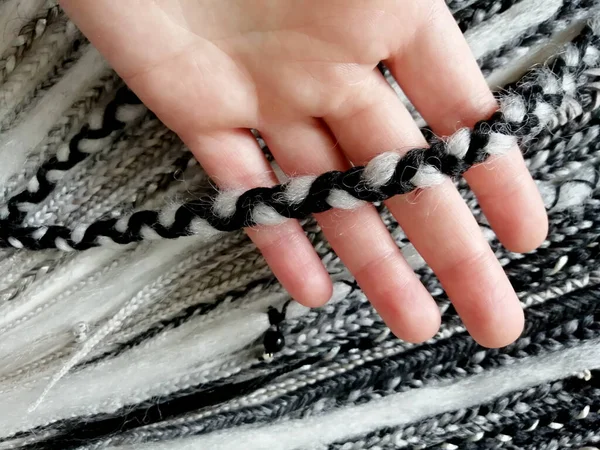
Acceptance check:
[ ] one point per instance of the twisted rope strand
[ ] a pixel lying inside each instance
(100, 93)
(523, 113)
(44, 181)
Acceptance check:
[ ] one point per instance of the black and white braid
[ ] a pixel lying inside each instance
(123, 109)
(458, 5)
(524, 112)
(571, 11)
(480, 11)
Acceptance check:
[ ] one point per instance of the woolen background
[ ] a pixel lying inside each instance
(182, 369)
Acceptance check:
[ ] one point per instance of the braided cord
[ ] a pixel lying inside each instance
(44, 181)
(524, 111)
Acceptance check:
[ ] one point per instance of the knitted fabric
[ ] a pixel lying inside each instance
(159, 342)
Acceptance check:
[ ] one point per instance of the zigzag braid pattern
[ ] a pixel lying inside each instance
(523, 113)
(68, 125)
(44, 181)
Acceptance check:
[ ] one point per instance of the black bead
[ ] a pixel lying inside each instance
(273, 341)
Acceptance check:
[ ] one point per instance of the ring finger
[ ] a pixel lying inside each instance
(359, 237)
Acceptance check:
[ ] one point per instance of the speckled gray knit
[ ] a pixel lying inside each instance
(181, 367)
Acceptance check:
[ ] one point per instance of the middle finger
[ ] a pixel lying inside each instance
(359, 237)
(436, 220)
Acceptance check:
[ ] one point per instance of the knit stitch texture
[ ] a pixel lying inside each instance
(125, 324)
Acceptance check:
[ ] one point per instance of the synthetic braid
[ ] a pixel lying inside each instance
(524, 112)
(42, 184)
(67, 126)
(31, 31)
(481, 11)
(37, 64)
(30, 100)
(571, 11)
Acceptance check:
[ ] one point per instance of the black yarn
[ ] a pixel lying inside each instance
(110, 124)
(548, 328)
(468, 17)
(351, 181)
(566, 396)
(535, 34)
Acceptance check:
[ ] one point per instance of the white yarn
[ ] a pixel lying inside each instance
(571, 195)
(17, 143)
(342, 200)
(297, 188)
(381, 169)
(13, 13)
(428, 176)
(224, 204)
(265, 215)
(129, 113)
(502, 28)
(143, 372)
(500, 144)
(458, 143)
(202, 229)
(545, 113)
(394, 410)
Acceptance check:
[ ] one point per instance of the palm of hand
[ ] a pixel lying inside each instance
(237, 66)
(302, 72)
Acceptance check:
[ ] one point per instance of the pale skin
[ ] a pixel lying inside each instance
(303, 72)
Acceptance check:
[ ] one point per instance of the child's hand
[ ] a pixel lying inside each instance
(303, 72)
